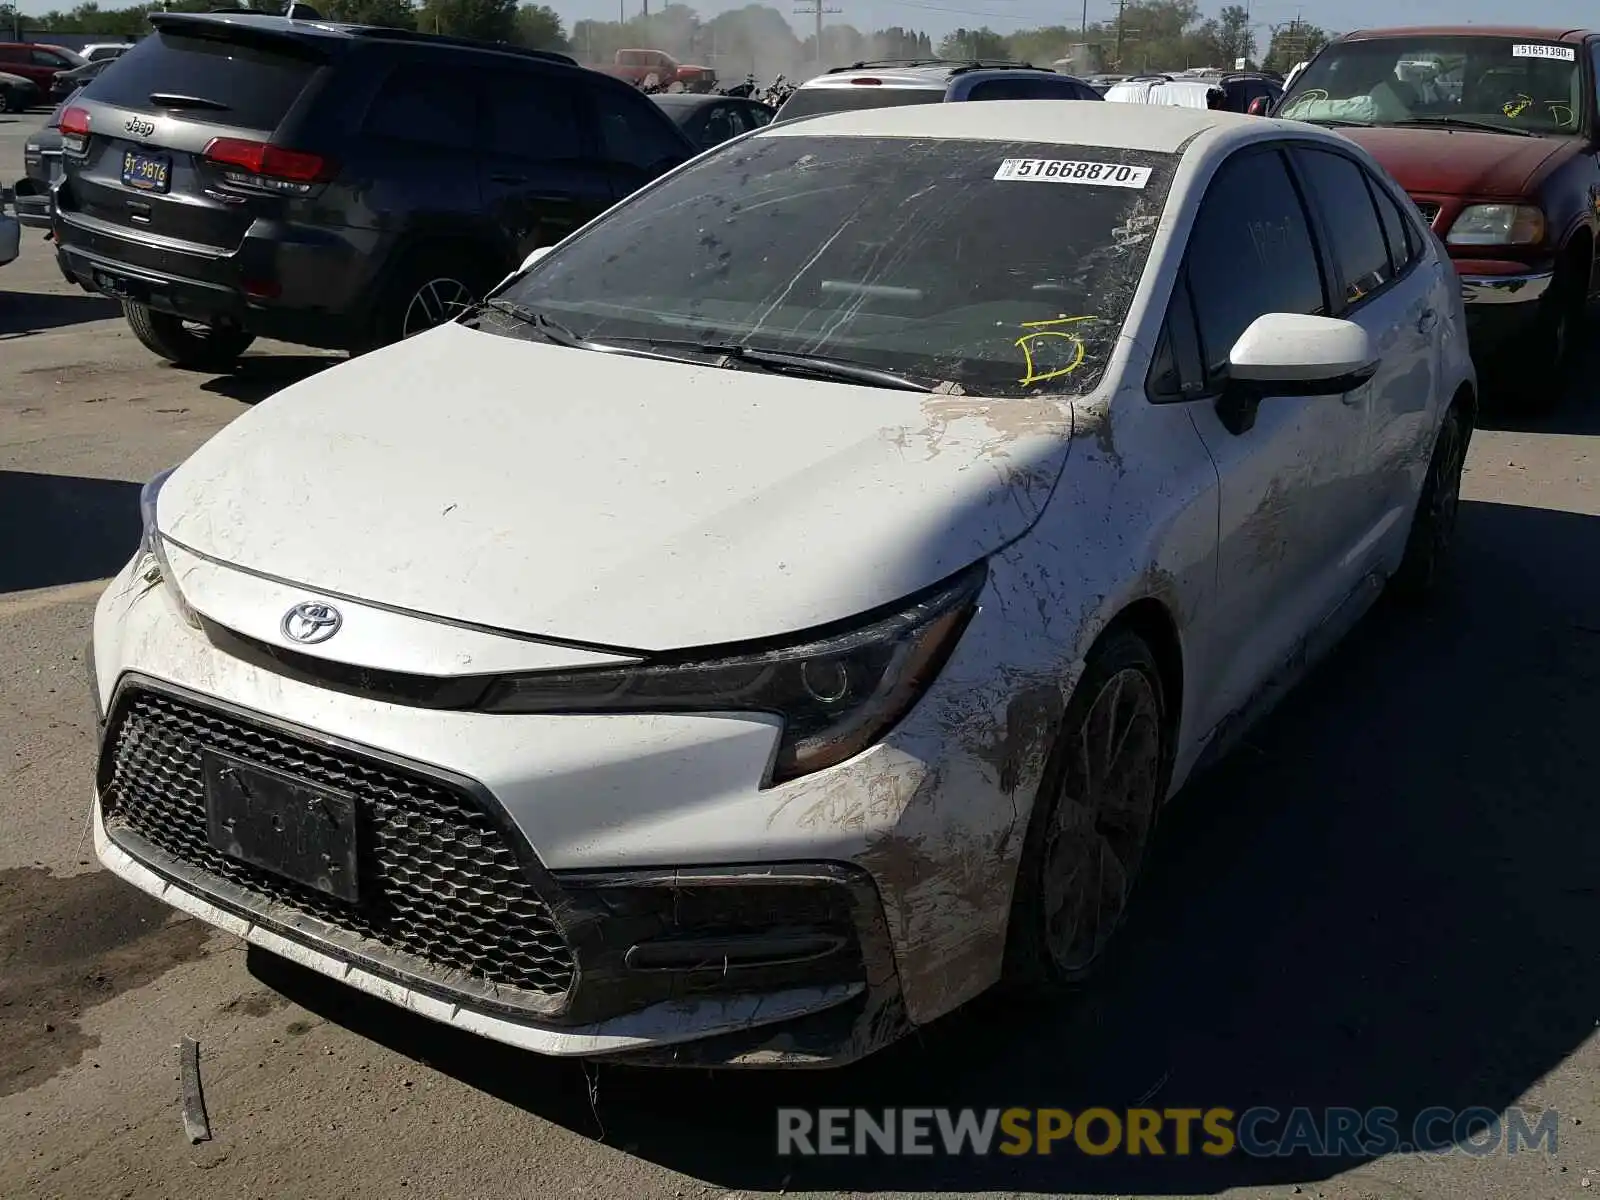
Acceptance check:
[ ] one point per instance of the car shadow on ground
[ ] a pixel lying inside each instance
(1385, 898)
(259, 376)
(1577, 413)
(57, 529)
(22, 313)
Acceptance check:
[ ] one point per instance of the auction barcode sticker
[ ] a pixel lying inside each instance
(1061, 170)
(1560, 53)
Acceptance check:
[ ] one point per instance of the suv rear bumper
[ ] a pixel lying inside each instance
(309, 293)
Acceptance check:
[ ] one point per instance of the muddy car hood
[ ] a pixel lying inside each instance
(1450, 162)
(607, 499)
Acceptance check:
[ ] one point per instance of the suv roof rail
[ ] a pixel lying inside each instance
(303, 25)
(964, 64)
(386, 33)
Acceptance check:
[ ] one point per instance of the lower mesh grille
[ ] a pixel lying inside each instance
(443, 891)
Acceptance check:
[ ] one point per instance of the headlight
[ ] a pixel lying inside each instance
(1497, 225)
(151, 546)
(837, 693)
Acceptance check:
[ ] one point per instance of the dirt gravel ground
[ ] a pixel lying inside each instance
(1387, 898)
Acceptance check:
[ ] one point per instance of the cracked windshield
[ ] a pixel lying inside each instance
(1499, 83)
(1000, 268)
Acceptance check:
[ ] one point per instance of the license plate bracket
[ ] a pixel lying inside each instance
(282, 824)
(146, 172)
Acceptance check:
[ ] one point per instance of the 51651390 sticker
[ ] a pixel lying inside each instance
(1559, 53)
(1063, 170)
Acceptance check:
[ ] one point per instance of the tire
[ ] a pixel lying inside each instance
(8, 102)
(427, 289)
(1089, 820)
(197, 347)
(1543, 368)
(1433, 525)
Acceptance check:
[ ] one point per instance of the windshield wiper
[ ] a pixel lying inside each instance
(1330, 122)
(554, 331)
(1467, 123)
(783, 363)
(178, 100)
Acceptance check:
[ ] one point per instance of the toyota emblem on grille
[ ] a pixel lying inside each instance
(311, 622)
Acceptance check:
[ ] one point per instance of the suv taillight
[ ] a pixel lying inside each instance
(75, 130)
(266, 167)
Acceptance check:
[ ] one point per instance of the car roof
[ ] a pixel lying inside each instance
(915, 73)
(1537, 33)
(302, 28)
(1107, 126)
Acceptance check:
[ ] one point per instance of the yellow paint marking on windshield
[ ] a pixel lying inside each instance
(1515, 108)
(1049, 329)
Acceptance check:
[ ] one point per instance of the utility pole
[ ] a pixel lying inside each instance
(1121, 8)
(817, 10)
(1083, 29)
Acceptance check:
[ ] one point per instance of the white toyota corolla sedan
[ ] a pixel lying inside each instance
(780, 611)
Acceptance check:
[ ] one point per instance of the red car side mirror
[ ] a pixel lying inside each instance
(1258, 107)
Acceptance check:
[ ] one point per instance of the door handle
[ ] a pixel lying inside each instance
(1427, 321)
(508, 179)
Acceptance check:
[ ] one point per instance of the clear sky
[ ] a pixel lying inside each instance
(940, 16)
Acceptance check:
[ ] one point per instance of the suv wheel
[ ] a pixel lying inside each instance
(187, 343)
(9, 102)
(428, 290)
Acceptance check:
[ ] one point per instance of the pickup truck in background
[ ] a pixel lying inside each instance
(658, 71)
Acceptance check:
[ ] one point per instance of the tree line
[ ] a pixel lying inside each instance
(1153, 35)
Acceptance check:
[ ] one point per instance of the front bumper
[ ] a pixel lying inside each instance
(1502, 309)
(674, 847)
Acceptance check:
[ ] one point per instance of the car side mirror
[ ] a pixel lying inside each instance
(1291, 354)
(1258, 107)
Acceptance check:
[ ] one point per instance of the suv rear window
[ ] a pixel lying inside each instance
(256, 84)
(812, 102)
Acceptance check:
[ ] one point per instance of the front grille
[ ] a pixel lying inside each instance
(444, 893)
(1429, 210)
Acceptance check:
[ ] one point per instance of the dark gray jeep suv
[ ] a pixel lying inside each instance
(241, 175)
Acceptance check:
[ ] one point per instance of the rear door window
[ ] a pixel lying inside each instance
(528, 116)
(255, 85)
(1402, 240)
(431, 110)
(1340, 187)
(637, 134)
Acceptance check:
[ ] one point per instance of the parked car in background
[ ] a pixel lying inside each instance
(242, 175)
(1103, 83)
(41, 165)
(887, 84)
(100, 51)
(711, 120)
(1167, 91)
(38, 62)
(655, 70)
(18, 94)
(1492, 130)
(759, 629)
(67, 82)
